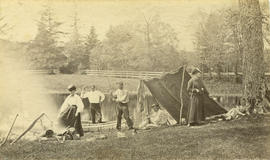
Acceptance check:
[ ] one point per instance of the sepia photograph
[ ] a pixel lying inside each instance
(134, 79)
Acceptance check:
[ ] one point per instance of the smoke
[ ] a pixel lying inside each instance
(22, 93)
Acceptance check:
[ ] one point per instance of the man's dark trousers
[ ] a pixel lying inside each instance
(122, 108)
(95, 108)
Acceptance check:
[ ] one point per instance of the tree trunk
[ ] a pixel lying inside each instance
(219, 72)
(237, 75)
(252, 38)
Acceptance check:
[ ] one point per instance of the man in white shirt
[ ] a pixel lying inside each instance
(121, 96)
(70, 110)
(85, 100)
(95, 98)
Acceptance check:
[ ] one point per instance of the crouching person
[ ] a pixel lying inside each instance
(69, 114)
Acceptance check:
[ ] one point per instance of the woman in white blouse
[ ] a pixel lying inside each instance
(69, 114)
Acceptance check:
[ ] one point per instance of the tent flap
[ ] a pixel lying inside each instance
(166, 91)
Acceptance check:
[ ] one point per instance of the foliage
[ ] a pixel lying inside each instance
(126, 47)
(74, 47)
(218, 40)
(3, 25)
(44, 52)
(91, 42)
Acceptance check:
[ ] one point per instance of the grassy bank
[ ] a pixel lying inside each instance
(59, 82)
(247, 138)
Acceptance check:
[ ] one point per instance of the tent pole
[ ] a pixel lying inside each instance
(181, 95)
(9, 130)
(28, 129)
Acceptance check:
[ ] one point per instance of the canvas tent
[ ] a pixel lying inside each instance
(166, 91)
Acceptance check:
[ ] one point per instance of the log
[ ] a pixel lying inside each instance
(9, 131)
(28, 129)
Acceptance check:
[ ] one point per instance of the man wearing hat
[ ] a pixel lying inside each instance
(121, 96)
(70, 110)
(196, 89)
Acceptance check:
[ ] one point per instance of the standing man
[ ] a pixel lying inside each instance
(95, 98)
(85, 100)
(121, 96)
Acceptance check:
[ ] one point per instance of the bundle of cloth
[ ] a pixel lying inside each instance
(68, 134)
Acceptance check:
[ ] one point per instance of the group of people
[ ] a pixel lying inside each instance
(74, 104)
(197, 90)
(71, 109)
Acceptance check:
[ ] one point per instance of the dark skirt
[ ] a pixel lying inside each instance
(68, 119)
(196, 110)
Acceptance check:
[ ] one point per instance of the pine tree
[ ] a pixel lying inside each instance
(44, 52)
(90, 43)
(74, 47)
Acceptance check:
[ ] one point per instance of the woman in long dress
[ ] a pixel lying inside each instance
(69, 114)
(196, 89)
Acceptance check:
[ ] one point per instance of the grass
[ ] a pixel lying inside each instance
(247, 138)
(60, 82)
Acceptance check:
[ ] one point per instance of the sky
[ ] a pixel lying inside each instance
(181, 15)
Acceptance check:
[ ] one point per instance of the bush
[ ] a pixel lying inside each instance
(70, 68)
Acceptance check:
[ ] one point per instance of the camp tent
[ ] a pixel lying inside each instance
(166, 91)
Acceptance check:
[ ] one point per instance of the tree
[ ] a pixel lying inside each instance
(253, 58)
(163, 45)
(138, 45)
(211, 37)
(90, 43)
(234, 41)
(74, 47)
(44, 52)
(4, 26)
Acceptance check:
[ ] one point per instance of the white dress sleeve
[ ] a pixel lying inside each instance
(79, 104)
(64, 105)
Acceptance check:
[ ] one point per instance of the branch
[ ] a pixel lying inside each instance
(28, 129)
(9, 131)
